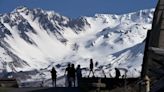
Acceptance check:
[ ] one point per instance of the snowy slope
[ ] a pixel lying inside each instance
(34, 39)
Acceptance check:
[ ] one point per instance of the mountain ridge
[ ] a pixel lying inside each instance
(35, 39)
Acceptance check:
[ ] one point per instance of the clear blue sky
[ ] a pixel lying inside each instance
(76, 8)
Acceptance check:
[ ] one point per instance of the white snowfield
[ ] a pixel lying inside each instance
(36, 39)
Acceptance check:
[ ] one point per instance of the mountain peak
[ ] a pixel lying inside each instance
(21, 9)
(37, 38)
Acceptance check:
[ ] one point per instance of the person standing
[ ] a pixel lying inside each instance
(91, 68)
(68, 71)
(118, 74)
(78, 74)
(72, 74)
(53, 76)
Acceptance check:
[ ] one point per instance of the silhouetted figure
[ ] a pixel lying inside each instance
(78, 74)
(91, 68)
(104, 73)
(118, 74)
(53, 76)
(96, 64)
(68, 70)
(72, 74)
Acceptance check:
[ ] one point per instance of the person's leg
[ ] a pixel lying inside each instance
(77, 81)
(55, 82)
(89, 73)
(52, 83)
(69, 82)
(74, 82)
(93, 73)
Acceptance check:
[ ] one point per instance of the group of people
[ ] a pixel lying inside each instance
(73, 75)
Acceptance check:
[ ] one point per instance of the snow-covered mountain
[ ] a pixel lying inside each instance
(36, 39)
